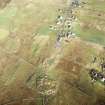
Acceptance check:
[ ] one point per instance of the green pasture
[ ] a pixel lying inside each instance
(90, 34)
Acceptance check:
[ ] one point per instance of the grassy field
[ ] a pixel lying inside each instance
(29, 51)
(90, 21)
(97, 5)
(90, 34)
